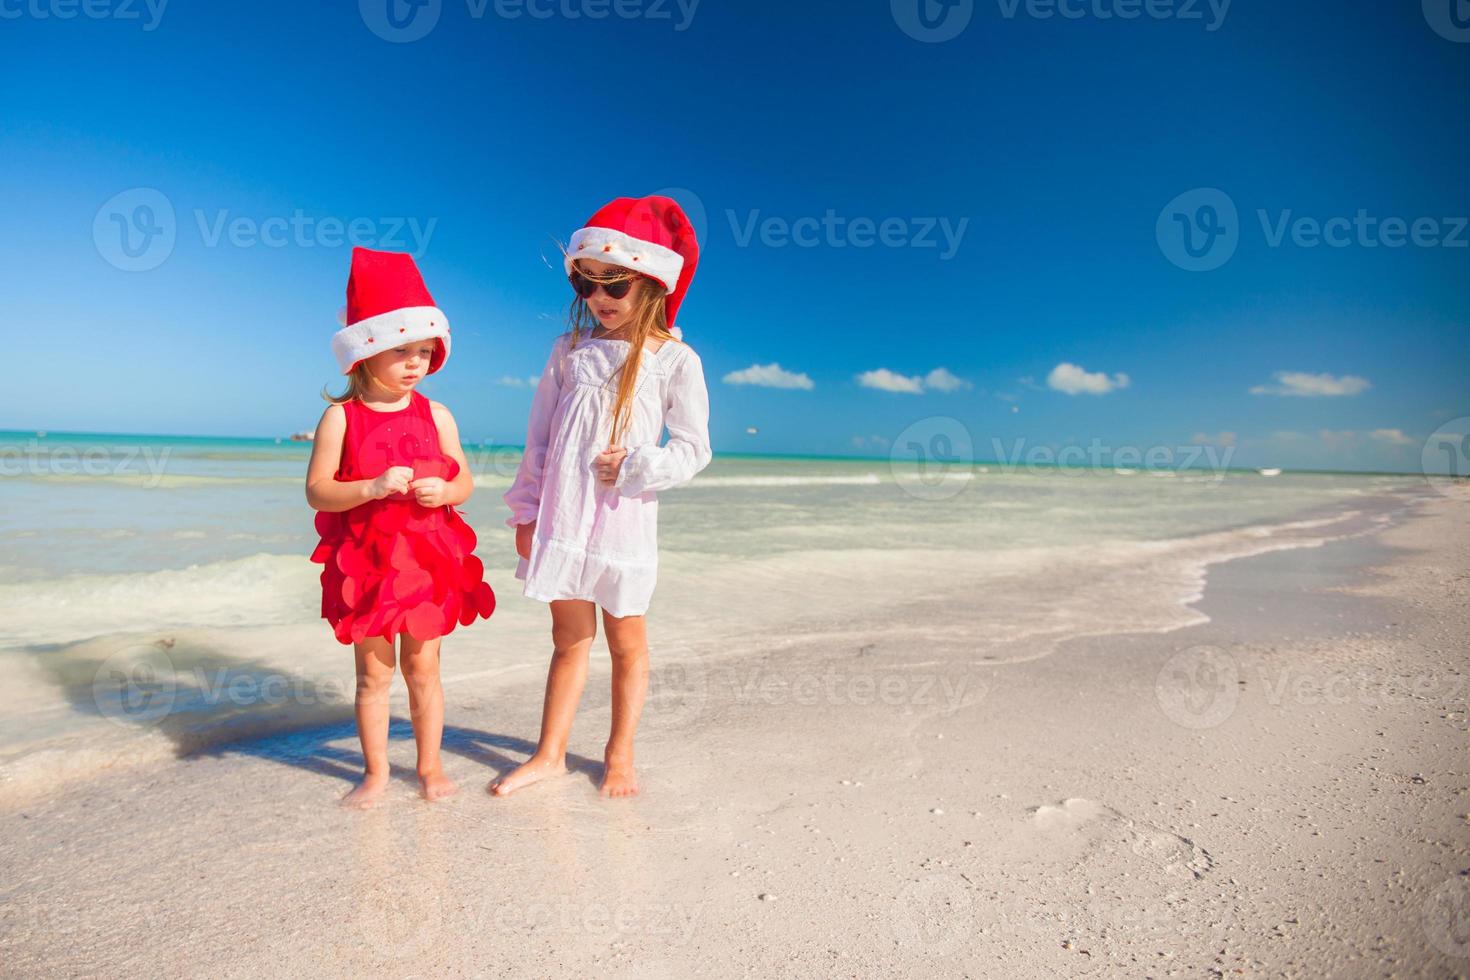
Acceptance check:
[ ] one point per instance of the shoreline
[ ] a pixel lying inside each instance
(1115, 806)
(981, 465)
(1162, 578)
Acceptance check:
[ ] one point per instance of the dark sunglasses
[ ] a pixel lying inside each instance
(587, 288)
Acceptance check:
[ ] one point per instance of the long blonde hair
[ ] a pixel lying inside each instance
(649, 320)
(360, 381)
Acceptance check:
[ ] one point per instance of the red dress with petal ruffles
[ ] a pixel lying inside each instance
(394, 566)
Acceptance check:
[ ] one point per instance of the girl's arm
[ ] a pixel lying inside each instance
(324, 491)
(457, 490)
(686, 415)
(524, 495)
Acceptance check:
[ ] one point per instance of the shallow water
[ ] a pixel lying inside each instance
(158, 599)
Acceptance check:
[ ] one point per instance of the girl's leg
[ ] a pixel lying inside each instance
(627, 641)
(374, 680)
(573, 628)
(420, 660)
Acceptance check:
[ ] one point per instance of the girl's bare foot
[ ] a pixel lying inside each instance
(533, 770)
(368, 792)
(618, 778)
(436, 786)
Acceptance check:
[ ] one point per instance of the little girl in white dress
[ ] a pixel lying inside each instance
(597, 542)
(584, 502)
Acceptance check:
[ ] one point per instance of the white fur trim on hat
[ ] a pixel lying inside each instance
(617, 248)
(389, 330)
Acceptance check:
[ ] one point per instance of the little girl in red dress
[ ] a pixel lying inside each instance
(386, 473)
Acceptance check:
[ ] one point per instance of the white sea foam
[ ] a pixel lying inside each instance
(258, 590)
(705, 482)
(1004, 570)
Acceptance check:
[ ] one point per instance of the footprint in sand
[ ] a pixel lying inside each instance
(1084, 829)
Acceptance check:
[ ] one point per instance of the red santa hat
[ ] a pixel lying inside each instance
(651, 235)
(388, 306)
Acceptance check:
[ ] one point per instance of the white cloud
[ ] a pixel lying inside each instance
(769, 376)
(1394, 437)
(939, 379)
(506, 381)
(886, 380)
(1073, 380)
(1304, 385)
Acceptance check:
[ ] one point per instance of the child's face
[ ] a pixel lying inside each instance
(399, 369)
(611, 313)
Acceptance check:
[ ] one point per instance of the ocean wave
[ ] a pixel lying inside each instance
(261, 589)
(835, 480)
(753, 480)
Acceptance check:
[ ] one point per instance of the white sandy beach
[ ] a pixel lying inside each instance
(1272, 785)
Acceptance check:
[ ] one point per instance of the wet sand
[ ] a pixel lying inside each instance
(1278, 791)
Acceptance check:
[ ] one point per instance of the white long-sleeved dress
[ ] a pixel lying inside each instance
(595, 542)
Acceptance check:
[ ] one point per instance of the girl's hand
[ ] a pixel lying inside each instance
(524, 533)
(395, 479)
(430, 491)
(608, 462)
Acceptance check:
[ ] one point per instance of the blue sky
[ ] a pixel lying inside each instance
(1026, 174)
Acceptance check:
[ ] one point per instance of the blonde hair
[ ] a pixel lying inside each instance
(360, 381)
(649, 320)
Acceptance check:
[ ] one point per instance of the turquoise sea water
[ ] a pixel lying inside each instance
(95, 503)
(111, 545)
